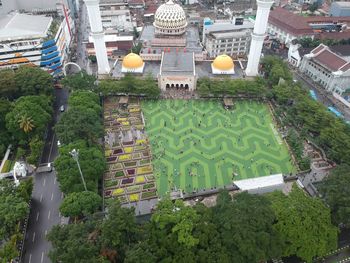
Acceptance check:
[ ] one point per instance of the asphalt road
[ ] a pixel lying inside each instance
(46, 197)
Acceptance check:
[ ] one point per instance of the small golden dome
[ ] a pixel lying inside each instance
(223, 62)
(132, 61)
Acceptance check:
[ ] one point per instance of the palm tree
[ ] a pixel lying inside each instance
(26, 123)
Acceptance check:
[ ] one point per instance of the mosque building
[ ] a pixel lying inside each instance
(171, 49)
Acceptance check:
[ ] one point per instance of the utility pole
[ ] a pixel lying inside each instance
(75, 155)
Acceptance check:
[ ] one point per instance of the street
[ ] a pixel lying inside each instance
(46, 197)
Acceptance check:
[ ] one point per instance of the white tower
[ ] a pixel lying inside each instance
(97, 35)
(258, 36)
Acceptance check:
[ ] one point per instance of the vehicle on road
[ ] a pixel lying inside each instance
(62, 108)
(45, 168)
(58, 143)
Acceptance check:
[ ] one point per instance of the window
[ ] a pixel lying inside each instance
(0, 3)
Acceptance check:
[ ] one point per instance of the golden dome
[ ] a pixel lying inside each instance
(223, 62)
(132, 60)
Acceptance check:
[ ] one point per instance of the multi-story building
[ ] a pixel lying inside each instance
(36, 6)
(340, 9)
(35, 40)
(286, 26)
(329, 69)
(227, 37)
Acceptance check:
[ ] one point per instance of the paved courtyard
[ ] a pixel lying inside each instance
(197, 144)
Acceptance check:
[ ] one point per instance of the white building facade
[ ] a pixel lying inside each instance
(327, 68)
(227, 37)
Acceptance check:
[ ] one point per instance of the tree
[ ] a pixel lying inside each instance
(304, 224)
(79, 123)
(8, 88)
(80, 81)
(13, 208)
(85, 99)
(29, 117)
(246, 227)
(26, 123)
(92, 163)
(36, 146)
(33, 81)
(5, 136)
(336, 193)
(118, 230)
(80, 204)
(75, 243)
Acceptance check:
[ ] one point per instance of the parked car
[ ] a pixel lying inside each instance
(62, 108)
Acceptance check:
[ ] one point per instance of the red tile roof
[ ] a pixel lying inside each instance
(330, 19)
(330, 60)
(318, 49)
(289, 22)
(345, 67)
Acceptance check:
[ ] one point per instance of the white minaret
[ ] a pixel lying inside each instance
(98, 36)
(258, 36)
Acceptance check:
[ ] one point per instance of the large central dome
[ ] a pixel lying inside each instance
(170, 19)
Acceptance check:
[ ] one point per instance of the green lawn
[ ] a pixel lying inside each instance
(197, 144)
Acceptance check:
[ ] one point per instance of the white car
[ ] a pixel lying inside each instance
(62, 108)
(58, 143)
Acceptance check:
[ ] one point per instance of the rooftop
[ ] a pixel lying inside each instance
(17, 26)
(289, 22)
(175, 63)
(342, 4)
(329, 59)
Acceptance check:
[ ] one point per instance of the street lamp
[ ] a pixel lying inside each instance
(75, 155)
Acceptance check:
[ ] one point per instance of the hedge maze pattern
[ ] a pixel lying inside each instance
(199, 145)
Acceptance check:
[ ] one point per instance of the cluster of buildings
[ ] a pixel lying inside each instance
(36, 33)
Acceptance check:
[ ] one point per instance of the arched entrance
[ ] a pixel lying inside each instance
(186, 86)
(70, 64)
(167, 86)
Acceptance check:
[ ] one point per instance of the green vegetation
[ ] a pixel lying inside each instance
(82, 121)
(130, 85)
(179, 233)
(92, 164)
(13, 209)
(335, 191)
(80, 204)
(80, 81)
(200, 145)
(310, 117)
(311, 43)
(236, 87)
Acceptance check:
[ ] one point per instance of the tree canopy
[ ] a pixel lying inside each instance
(80, 204)
(304, 224)
(335, 191)
(85, 100)
(80, 81)
(129, 84)
(79, 123)
(8, 88)
(29, 117)
(33, 81)
(92, 162)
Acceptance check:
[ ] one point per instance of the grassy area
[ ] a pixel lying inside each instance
(199, 145)
(7, 166)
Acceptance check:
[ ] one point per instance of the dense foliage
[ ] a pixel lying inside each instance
(13, 209)
(78, 204)
(232, 87)
(304, 224)
(5, 135)
(130, 85)
(83, 119)
(247, 228)
(92, 163)
(312, 43)
(335, 191)
(25, 81)
(308, 115)
(80, 81)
